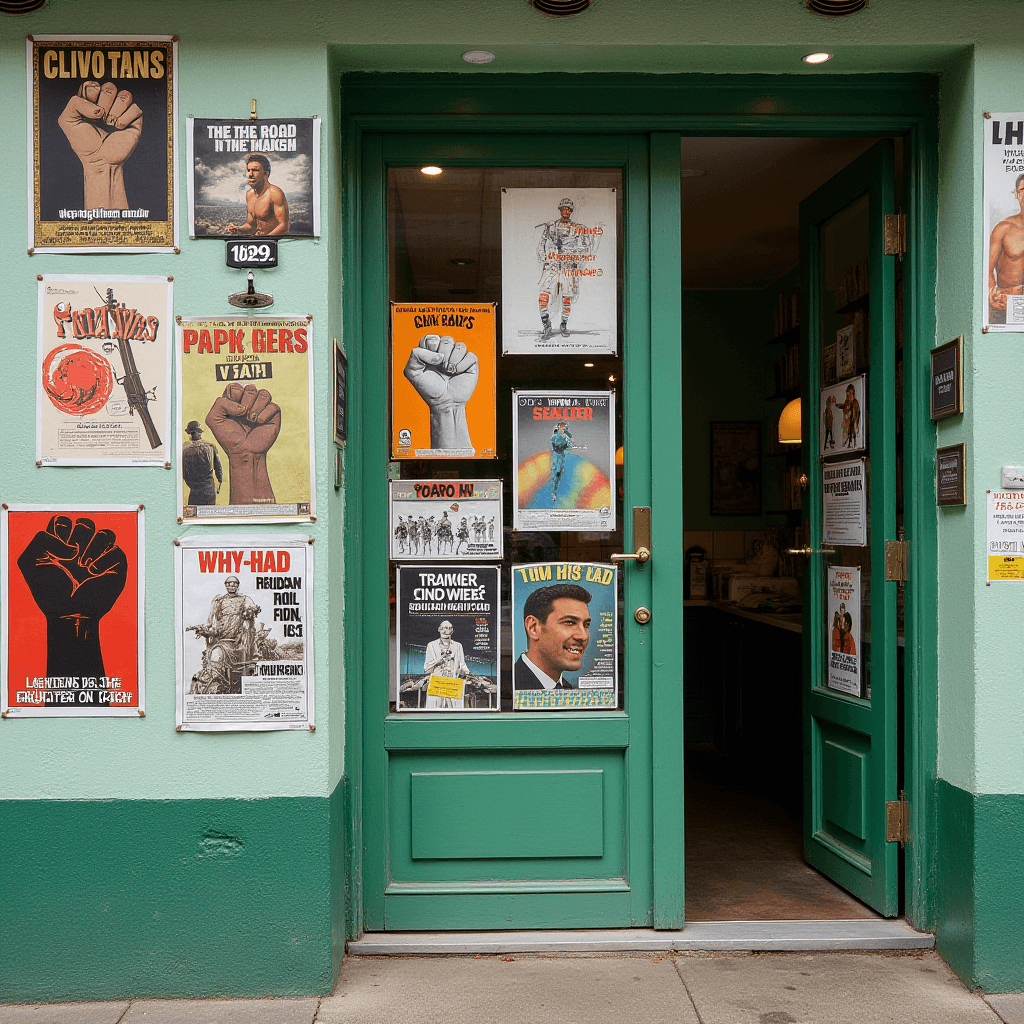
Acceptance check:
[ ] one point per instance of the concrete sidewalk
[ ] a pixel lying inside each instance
(723, 988)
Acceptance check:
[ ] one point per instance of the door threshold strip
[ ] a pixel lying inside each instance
(701, 936)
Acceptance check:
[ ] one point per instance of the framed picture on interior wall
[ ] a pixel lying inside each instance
(736, 468)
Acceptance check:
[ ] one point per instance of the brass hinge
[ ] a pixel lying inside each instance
(897, 820)
(895, 240)
(896, 560)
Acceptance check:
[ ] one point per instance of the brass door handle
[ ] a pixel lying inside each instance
(641, 537)
(641, 555)
(808, 551)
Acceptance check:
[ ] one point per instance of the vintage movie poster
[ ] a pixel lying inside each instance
(1003, 274)
(253, 177)
(564, 636)
(445, 519)
(842, 632)
(73, 580)
(563, 449)
(559, 271)
(844, 504)
(102, 131)
(448, 637)
(245, 416)
(243, 608)
(1005, 535)
(443, 381)
(844, 416)
(103, 378)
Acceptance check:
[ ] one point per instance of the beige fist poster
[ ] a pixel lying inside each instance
(245, 416)
(103, 378)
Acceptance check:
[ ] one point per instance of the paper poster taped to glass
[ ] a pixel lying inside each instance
(843, 423)
(843, 609)
(445, 519)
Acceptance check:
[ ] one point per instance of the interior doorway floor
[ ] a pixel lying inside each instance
(744, 850)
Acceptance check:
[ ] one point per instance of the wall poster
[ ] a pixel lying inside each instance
(448, 637)
(243, 615)
(102, 131)
(253, 177)
(245, 415)
(103, 378)
(74, 575)
(843, 620)
(843, 423)
(1005, 535)
(736, 468)
(1004, 222)
(844, 506)
(564, 636)
(443, 381)
(445, 519)
(563, 448)
(558, 271)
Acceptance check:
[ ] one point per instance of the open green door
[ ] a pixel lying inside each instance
(849, 437)
(499, 819)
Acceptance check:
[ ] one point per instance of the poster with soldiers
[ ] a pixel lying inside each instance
(445, 519)
(245, 412)
(564, 636)
(843, 629)
(843, 424)
(563, 448)
(558, 271)
(243, 610)
(72, 577)
(443, 381)
(253, 177)
(103, 378)
(102, 143)
(1003, 285)
(448, 638)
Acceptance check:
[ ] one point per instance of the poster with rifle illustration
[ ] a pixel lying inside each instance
(103, 379)
(245, 419)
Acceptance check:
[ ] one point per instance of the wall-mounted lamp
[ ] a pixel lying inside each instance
(789, 423)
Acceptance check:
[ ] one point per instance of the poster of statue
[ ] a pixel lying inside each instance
(103, 378)
(72, 578)
(102, 143)
(243, 608)
(445, 519)
(559, 271)
(245, 415)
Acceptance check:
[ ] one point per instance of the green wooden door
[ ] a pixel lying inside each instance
(850, 628)
(528, 819)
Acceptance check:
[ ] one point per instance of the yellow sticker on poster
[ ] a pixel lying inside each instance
(442, 381)
(1005, 535)
(446, 686)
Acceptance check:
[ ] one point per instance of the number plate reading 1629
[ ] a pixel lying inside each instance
(252, 254)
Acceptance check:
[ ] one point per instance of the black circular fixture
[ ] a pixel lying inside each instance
(835, 8)
(21, 6)
(560, 8)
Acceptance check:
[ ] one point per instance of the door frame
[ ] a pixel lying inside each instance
(754, 105)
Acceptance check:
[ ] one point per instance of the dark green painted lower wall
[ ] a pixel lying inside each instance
(109, 899)
(980, 892)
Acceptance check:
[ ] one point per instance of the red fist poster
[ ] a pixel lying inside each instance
(72, 603)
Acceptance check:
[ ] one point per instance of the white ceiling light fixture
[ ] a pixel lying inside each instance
(431, 171)
(478, 56)
(816, 58)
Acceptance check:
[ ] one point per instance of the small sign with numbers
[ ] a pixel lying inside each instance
(951, 475)
(252, 254)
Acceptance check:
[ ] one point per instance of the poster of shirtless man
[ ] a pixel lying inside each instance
(254, 178)
(1004, 222)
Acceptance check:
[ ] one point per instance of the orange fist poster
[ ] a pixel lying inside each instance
(442, 381)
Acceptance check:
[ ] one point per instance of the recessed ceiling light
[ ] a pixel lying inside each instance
(431, 170)
(588, 364)
(478, 56)
(463, 261)
(692, 172)
(816, 58)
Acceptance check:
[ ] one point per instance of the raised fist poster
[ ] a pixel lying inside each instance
(843, 629)
(442, 381)
(445, 519)
(564, 636)
(559, 284)
(103, 378)
(244, 633)
(245, 415)
(72, 582)
(102, 140)
(448, 638)
(1004, 222)
(251, 177)
(563, 448)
